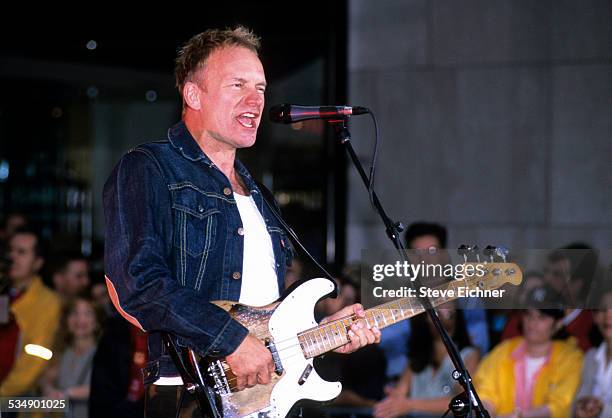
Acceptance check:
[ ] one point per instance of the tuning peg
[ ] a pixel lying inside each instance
(463, 251)
(489, 251)
(468, 251)
(476, 252)
(502, 252)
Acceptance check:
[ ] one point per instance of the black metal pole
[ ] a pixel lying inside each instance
(393, 230)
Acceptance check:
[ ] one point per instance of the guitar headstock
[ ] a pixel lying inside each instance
(492, 272)
(493, 275)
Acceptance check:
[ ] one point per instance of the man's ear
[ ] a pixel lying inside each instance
(191, 95)
(38, 263)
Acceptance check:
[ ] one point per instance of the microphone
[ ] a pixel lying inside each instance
(288, 113)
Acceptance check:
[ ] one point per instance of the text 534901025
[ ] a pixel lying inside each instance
(32, 404)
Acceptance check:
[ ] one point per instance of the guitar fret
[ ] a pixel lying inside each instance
(320, 341)
(313, 345)
(340, 335)
(306, 343)
(334, 333)
(325, 337)
(342, 332)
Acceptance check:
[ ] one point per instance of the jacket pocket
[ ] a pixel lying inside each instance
(195, 228)
(196, 220)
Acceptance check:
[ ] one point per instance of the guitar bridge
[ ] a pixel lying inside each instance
(217, 374)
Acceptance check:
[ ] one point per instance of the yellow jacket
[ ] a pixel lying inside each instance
(37, 313)
(554, 387)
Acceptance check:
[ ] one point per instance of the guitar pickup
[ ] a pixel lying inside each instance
(278, 366)
(305, 375)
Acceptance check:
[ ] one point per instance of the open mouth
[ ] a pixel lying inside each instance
(247, 119)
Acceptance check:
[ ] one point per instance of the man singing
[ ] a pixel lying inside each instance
(186, 223)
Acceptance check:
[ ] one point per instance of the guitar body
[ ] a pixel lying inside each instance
(278, 326)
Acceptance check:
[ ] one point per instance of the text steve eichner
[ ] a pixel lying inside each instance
(448, 293)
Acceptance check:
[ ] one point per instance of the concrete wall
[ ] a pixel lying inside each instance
(496, 119)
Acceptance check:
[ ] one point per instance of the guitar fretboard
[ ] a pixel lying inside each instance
(331, 335)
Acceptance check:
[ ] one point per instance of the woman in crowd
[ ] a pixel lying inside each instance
(70, 377)
(594, 398)
(426, 386)
(536, 374)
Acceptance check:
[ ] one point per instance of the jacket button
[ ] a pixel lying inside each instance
(227, 191)
(236, 275)
(241, 231)
(200, 208)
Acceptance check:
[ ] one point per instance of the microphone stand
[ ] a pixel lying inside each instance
(467, 401)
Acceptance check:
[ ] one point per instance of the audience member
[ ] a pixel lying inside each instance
(35, 313)
(536, 374)
(594, 398)
(570, 272)
(427, 386)
(70, 275)
(70, 376)
(117, 388)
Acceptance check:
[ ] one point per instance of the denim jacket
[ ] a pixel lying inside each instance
(172, 245)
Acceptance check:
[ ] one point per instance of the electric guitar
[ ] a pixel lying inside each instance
(288, 329)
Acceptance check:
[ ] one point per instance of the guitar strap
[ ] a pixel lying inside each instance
(268, 197)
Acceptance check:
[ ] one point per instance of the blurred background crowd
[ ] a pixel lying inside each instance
(553, 354)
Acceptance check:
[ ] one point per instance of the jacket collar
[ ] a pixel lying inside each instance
(181, 139)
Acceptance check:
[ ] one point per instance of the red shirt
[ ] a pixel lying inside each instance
(9, 337)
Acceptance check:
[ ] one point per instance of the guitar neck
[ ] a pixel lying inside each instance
(331, 335)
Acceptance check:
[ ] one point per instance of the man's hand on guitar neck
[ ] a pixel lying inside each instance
(359, 334)
(251, 363)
